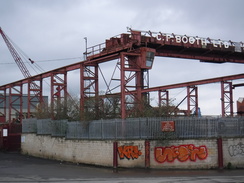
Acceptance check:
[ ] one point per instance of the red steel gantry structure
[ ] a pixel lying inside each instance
(135, 52)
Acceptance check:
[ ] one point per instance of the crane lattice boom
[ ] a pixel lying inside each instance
(16, 56)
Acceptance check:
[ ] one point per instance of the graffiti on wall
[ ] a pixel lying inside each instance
(129, 152)
(182, 153)
(235, 150)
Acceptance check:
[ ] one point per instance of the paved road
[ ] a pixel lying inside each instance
(15, 167)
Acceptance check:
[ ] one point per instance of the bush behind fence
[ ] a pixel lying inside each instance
(138, 128)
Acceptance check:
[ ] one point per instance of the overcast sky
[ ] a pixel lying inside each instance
(52, 32)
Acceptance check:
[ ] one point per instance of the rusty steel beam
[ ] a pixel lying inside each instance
(227, 99)
(202, 58)
(122, 88)
(89, 88)
(34, 94)
(3, 102)
(193, 83)
(237, 85)
(192, 100)
(15, 102)
(58, 92)
(163, 98)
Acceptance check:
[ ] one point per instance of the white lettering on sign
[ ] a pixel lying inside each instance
(184, 39)
(191, 40)
(195, 40)
(178, 39)
(226, 45)
(168, 37)
(204, 42)
(215, 44)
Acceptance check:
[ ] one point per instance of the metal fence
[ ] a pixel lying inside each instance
(138, 128)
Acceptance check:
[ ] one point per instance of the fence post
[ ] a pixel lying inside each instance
(115, 155)
(101, 128)
(116, 129)
(220, 152)
(147, 154)
(139, 128)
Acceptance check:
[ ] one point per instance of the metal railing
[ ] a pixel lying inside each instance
(138, 128)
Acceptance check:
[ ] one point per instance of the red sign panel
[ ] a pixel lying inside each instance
(168, 126)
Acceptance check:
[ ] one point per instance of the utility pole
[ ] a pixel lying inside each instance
(85, 54)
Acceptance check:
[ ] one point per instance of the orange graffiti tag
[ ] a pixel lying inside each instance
(130, 152)
(182, 153)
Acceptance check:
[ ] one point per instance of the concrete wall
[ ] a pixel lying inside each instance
(170, 154)
(77, 151)
(131, 153)
(233, 152)
(184, 154)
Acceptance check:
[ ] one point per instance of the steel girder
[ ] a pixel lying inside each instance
(163, 98)
(15, 101)
(131, 79)
(89, 88)
(58, 93)
(192, 100)
(227, 99)
(3, 103)
(126, 48)
(34, 94)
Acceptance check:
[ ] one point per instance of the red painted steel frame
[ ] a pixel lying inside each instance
(122, 89)
(15, 104)
(131, 50)
(89, 86)
(3, 102)
(58, 91)
(131, 78)
(192, 100)
(163, 98)
(34, 94)
(227, 98)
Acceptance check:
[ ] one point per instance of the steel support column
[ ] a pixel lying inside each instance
(131, 78)
(82, 88)
(35, 97)
(15, 103)
(192, 100)
(163, 98)
(122, 86)
(226, 99)
(3, 105)
(58, 94)
(163, 102)
(89, 89)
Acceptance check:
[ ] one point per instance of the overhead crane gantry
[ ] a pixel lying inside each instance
(136, 51)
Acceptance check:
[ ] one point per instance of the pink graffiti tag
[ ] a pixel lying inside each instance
(130, 152)
(182, 153)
